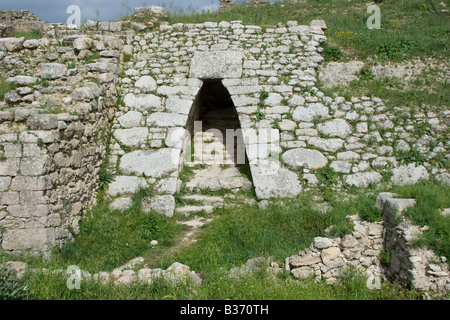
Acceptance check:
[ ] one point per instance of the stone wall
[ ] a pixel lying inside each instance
(291, 128)
(54, 128)
(11, 21)
(329, 258)
(408, 263)
(403, 261)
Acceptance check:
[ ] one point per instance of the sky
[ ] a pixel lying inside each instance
(104, 10)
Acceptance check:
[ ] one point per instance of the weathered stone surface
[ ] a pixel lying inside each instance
(409, 174)
(53, 71)
(303, 272)
(330, 145)
(329, 254)
(335, 263)
(103, 66)
(164, 119)
(394, 206)
(341, 166)
(150, 163)
(142, 102)
(125, 185)
(303, 114)
(32, 44)
(363, 179)
(133, 137)
(348, 241)
(175, 137)
(87, 93)
(11, 44)
(335, 128)
(164, 204)
(272, 183)
(42, 122)
(323, 243)
(304, 158)
(24, 239)
(177, 105)
(121, 203)
(83, 43)
(22, 80)
(146, 84)
(216, 65)
(308, 260)
(130, 119)
(11, 97)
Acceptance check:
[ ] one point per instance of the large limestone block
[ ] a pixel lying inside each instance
(155, 164)
(83, 43)
(125, 185)
(142, 102)
(335, 128)
(216, 65)
(304, 158)
(22, 80)
(146, 84)
(329, 254)
(42, 122)
(177, 105)
(53, 71)
(274, 181)
(330, 145)
(25, 239)
(164, 119)
(130, 119)
(133, 137)
(308, 114)
(363, 179)
(303, 272)
(11, 44)
(103, 66)
(409, 174)
(164, 204)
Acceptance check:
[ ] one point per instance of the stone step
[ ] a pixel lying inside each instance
(207, 200)
(187, 210)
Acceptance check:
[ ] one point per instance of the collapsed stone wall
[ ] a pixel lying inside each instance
(23, 20)
(408, 263)
(395, 236)
(328, 258)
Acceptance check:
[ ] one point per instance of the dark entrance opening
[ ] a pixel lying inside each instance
(216, 112)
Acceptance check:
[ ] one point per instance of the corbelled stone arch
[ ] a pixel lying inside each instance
(213, 113)
(261, 145)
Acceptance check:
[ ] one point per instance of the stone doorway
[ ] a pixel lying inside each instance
(216, 150)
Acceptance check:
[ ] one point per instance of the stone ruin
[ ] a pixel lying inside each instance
(12, 21)
(229, 4)
(127, 99)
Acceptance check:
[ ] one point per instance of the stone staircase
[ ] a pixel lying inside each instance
(218, 173)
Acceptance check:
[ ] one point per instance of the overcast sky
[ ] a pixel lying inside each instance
(56, 10)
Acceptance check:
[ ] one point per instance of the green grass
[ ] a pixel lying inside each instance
(239, 234)
(109, 238)
(259, 286)
(4, 88)
(408, 28)
(28, 35)
(394, 94)
(431, 197)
